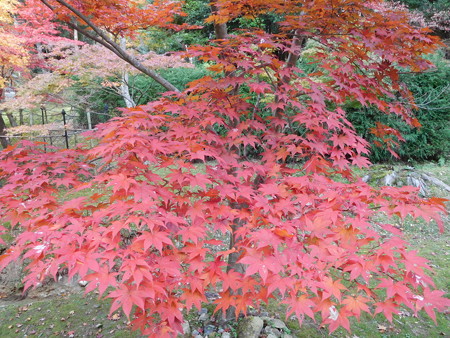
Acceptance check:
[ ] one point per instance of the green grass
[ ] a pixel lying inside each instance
(61, 317)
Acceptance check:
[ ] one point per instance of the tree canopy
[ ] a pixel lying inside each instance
(169, 204)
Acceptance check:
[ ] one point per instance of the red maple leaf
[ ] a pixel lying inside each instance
(125, 297)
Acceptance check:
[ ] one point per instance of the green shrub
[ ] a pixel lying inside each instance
(103, 103)
(179, 77)
(429, 142)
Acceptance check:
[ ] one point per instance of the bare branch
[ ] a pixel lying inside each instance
(102, 38)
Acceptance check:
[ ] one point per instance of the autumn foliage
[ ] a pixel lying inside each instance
(168, 205)
(13, 55)
(23, 27)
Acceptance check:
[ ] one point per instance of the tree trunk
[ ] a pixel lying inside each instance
(220, 29)
(21, 117)
(12, 120)
(297, 44)
(234, 257)
(124, 88)
(221, 32)
(3, 140)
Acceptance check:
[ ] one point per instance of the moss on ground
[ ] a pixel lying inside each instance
(66, 316)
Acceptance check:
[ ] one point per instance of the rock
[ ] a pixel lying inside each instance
(203, 317)
(252, 312)
(226, 335)
(272, 331)
(209, 329)
(390, 179)
(266, 319)
(83, 283)
(186, 328)
(250, 327)
(212, 295)
(11, 277)
(287, 336)
(270, 335)
(278, 324)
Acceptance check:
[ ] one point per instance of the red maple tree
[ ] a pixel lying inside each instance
(169, 204)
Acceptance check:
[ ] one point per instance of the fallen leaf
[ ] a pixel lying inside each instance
(382, 328)
(115, 316)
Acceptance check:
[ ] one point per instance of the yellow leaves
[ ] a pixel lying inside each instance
(268, 98)
(7, 8)
(11, 50)
(312, 51)
(12, 53)
(139, 2)
(37, 130)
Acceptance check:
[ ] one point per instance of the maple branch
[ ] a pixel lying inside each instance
(3, 138)
(105, 41)
(141, 93)
(135, 91)
(297, 42)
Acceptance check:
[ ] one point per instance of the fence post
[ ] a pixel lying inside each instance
(88, 113)
(63, 112)
(43, 122)
(42, 114)
(89, 120)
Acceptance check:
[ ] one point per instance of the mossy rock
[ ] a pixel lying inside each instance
(384, 175)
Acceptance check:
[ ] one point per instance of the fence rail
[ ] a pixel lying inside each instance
(55, 140)
(59, 138)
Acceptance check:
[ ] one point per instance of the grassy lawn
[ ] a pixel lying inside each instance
(65, 316)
